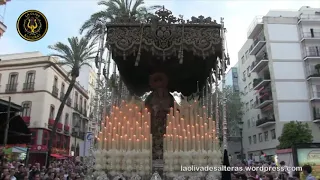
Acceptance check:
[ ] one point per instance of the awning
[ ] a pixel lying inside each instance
(19, 149)
(57, 156)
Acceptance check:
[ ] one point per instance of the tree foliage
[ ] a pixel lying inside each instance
(234, 110)
(294, 132)
(77, 53)
(113, 9)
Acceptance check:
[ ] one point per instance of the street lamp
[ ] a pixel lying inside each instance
(76, 130)
(240, 125)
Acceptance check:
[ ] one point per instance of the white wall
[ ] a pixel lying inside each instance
(292, 91)
(283, 32)
(298, 111)
(283, 70)
(285, 51)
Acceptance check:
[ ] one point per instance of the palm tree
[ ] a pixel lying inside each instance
(78, 53)
(115, 9)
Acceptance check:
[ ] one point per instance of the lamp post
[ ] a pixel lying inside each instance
(75, 133)
(240, 125)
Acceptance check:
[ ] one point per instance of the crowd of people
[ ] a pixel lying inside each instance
(57, 170)
(272, 175)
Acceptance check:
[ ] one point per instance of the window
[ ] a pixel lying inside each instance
(248, 122)
(249, 138)
(247, 106)
(266, 136)
(244, 76)
(66, 120)
(247, 54)
(312, 32)
(55, 81)
(253, 122)
(80, 102)
(273, 134)
(318, 90)
(66, 142)
(248, 71)
(254, 139)
(85, 104)
(258, 116)
(26, 109)
(45, 138)
(62, 88)
(58, 141)
(260, 137)
(51, 115)
(30, 77)
(34, 137)
(76, 98)
(245, 90)
(251, 103)
(242, 59)
(13, 78)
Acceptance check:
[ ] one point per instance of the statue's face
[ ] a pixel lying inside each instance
(158, 80)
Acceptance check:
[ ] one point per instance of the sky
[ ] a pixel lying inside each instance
(65, 17)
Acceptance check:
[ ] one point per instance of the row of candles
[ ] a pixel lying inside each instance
(127, 128)
(188, 128)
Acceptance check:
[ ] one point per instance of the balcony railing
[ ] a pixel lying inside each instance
(309, 17)
(263, 56)
(59, 126)
(66, 129)
(29, 86)
(253, 26)
(10, 88)
(265, 120)
(69, 102)
(55, 91)
(315, 95)
(61, 96)
(312, 51)
(315, 34)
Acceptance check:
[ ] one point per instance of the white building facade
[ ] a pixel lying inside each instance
(278, 78)
(38, 84)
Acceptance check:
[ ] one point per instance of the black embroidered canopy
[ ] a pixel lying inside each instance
(186, 51)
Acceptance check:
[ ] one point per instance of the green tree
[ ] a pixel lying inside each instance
(78, 53)
(114, 9)
(294, 132)
(234, 110)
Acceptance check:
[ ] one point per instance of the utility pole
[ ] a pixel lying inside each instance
(5, 140)
(224, 99)
(97, 90)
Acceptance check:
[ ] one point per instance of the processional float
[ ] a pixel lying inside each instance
(162, 55)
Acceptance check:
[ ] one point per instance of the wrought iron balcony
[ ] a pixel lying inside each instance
(263, 101)
(55, 91)
(29, 86)
(257, 45)
(264, 122)
(312, 52)
(11, 88)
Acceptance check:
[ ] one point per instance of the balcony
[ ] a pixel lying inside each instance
(55, 91)
(50, 123)
(309, 18)
(257, 45)
(61, 96)
(259, 83)
(312, 53)
(263, 101)
(59, 127)
(315, 95)
(260, 63)
(265, 122)
(316, 115)
(69, 102)
(26, 120)
(28, 87)
(66, 129)
(313, 36)
(255, 27)
(11, 88)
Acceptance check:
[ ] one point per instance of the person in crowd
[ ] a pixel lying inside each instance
(267, 177)
(307, 170)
